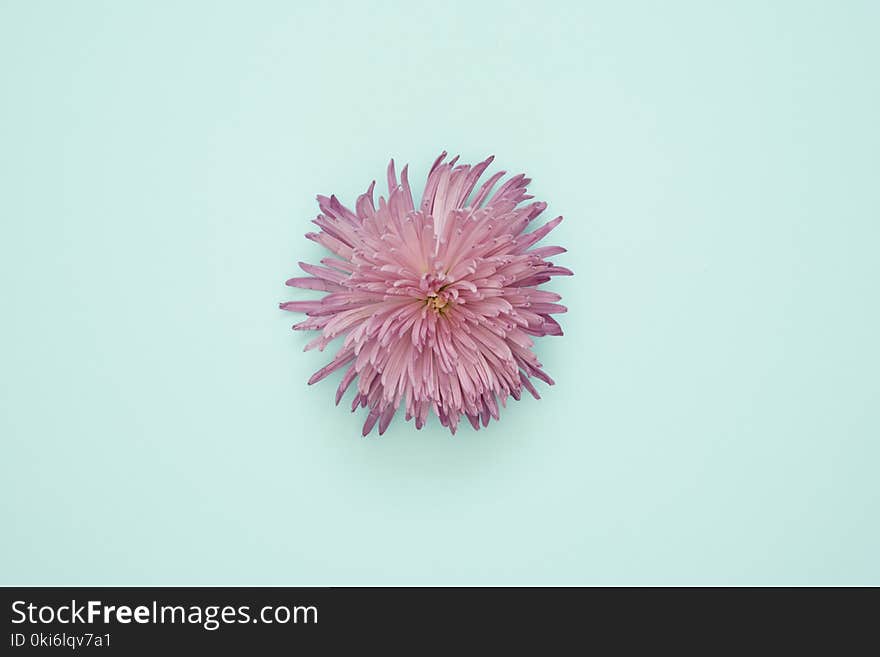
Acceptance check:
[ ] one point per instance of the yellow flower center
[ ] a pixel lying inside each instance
(437, 303)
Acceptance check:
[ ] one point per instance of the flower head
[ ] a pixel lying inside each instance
(438, 303)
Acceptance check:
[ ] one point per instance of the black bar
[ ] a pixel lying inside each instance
(242, 620)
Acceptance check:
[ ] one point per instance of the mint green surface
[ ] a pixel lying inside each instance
(715, 418)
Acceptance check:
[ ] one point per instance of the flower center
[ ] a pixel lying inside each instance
(437, 302)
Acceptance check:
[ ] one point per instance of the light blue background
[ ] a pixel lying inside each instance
(715, 419)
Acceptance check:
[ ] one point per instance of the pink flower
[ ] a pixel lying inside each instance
(436, 304)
